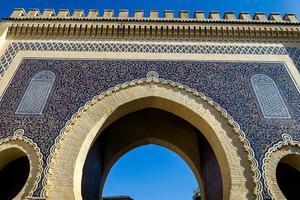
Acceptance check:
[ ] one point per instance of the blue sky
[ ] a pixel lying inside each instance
(151, 173)
(282, 6)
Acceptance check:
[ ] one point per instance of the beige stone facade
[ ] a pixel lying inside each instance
(247, 171)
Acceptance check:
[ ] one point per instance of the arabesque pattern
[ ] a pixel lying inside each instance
(14, 47)
(227, 83)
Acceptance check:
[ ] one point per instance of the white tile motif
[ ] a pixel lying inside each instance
(14, 47)
(269, 97)
(37, 92)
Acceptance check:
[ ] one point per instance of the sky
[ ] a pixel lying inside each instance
(151, 172)
(267, 6)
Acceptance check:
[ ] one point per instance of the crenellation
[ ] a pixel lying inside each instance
(169, 14)
(153, 14)
(63, 13)
(245, 16)
(260, 16)
(138, 13)
(290, 17)
(108, 13)
(18, 12)
(93, 13)
(275, 17)
(123, 13)
(199, 15)
(214, 15)
(184, 14)
(229, 15)
(48, 12)
(78, 13)
(33, 12)
(229, 27)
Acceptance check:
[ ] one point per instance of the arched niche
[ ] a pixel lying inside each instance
(268, 96)
(37, 93)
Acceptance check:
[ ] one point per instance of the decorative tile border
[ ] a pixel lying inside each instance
(14, 47)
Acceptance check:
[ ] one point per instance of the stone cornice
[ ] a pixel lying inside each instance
(92, 26)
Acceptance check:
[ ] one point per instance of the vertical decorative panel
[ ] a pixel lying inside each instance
(36, 94)
(269, 97)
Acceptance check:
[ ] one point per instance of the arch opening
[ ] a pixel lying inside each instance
(14, 172)
(150, 172)
(152, 126)
(227, 140)
(288, 176)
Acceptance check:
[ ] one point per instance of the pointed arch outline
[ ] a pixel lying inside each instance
(151, 80)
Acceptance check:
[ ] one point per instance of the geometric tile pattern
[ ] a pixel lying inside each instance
(14, 47)
(227, 82)
(36, 94)
(78, 80)
(268, 96)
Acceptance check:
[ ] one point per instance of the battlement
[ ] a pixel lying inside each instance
(152, 25)
(152, 15)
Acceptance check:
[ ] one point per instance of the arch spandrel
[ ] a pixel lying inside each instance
(222, 132)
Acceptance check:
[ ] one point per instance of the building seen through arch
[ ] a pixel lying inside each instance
(80, 90)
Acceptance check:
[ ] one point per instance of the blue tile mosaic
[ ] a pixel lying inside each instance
(77, 81)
